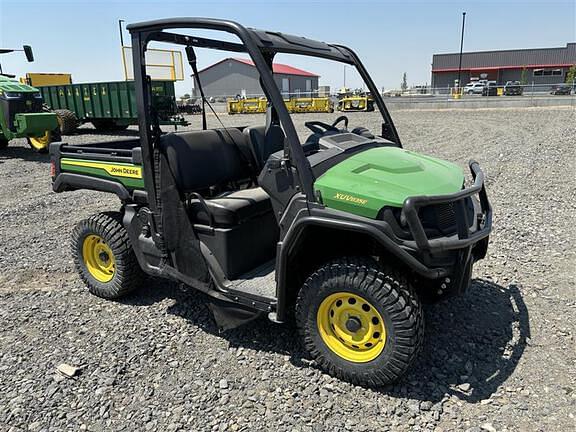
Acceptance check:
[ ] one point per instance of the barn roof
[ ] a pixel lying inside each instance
(278, 68)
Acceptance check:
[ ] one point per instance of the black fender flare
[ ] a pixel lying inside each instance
(302, 223)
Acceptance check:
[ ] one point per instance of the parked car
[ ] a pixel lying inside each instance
(513, 88)
(474, 88)
(490, 89)
(561, 89)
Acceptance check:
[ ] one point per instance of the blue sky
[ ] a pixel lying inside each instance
(81, 37)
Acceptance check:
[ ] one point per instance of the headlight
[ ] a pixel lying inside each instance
(12, 95)
(37, 95)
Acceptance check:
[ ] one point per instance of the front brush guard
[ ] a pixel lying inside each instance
(465, 236)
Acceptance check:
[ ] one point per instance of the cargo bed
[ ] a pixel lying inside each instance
(114, 166)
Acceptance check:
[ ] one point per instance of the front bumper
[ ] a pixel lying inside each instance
(35, 124)
(470, 243)
(468, 233)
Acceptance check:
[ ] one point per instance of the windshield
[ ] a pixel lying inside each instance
(312, 88)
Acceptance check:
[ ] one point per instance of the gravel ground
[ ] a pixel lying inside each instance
(500, 358)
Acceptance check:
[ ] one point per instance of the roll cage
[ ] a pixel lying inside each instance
(261, 46)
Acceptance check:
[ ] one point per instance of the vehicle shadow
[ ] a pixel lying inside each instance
(112, 133)
(473, 343)
(23, 153)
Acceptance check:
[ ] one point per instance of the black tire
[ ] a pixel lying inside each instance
(127, 274)
(67, 121)
(385, 290)
(3, 143)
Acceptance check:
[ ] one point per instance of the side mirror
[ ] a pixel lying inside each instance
(28, 52)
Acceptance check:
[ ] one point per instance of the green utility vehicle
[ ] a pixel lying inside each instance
(347, 229)
(109, 106)
(22, 114)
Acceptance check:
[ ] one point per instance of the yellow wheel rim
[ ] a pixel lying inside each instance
(41, 142)
(351, 327)
(98, 258)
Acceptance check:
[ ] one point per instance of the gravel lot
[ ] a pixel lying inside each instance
(501, 358)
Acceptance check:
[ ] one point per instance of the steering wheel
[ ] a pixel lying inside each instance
(321, 128)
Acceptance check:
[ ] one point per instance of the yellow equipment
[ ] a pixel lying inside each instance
(294, 105)
(246, 106)
(46, 79)
(354, 100)
(309, 105)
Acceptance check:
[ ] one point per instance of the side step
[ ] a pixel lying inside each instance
(259, 283)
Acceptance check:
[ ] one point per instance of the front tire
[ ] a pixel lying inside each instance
(361, 323)
(104, 257)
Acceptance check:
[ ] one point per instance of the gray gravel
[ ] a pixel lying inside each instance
(501, 358)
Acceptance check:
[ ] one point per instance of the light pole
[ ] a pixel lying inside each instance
(120, 21)
(461, 47)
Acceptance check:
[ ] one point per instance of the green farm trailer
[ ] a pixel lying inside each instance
(109, 106)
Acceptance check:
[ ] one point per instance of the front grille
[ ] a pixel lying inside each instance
(442, 217)
(446, 216)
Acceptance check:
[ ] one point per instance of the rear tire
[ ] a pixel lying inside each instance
(361, 323)
(104, 257)
(67, 121)
(3, 143)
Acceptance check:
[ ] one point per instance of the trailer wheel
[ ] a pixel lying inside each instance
(104, 257)
(67, 121)
(361, 323)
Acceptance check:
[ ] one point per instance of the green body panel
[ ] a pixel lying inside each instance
(34, 124)
(130, 175)
(114, 100)
(385, 176)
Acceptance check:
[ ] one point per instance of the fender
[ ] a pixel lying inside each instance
(303, 222)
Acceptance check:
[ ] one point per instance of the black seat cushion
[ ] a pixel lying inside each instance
(231, 208)
(201, 159)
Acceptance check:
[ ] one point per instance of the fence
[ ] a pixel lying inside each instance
(560, 94)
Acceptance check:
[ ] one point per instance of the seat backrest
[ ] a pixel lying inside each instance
(201, 159)
(263, 143)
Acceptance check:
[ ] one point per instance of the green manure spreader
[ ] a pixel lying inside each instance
(345, 231)
(108, 106)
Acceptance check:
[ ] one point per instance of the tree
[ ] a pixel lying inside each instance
(404, 85)
(524, 76)
(571, 75)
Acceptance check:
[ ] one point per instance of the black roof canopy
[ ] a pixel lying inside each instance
(266, 41)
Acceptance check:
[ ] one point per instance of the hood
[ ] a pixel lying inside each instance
(11, 85)
(385, 176)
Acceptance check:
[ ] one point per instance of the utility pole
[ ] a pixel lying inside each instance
(461, 47)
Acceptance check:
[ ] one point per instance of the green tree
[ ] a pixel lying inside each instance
(571, 75)
(404, 85)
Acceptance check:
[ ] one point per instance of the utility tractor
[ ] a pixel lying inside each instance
(345, 231)
(22, 114)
